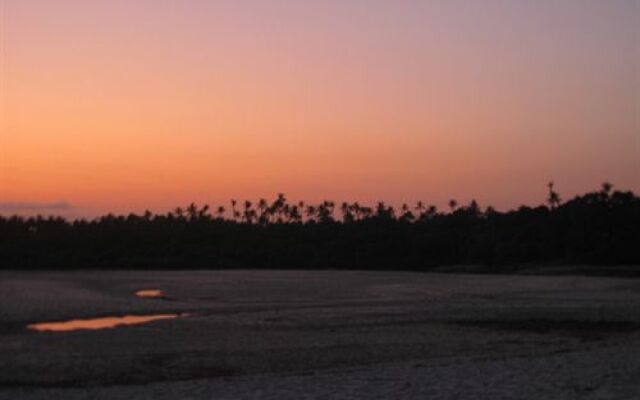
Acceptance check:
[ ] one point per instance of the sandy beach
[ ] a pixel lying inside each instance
(321, 334)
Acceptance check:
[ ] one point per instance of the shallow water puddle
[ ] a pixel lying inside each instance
(100, 323)
(150, 293)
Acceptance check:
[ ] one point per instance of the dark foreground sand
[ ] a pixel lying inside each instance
(325, 334)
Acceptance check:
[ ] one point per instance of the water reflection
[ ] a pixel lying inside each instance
(100, 323)
(150, 293)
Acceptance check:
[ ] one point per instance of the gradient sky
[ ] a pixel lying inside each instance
(123, 105)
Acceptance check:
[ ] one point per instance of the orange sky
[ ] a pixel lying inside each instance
(121, 106)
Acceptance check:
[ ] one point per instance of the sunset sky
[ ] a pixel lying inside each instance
(121, 105)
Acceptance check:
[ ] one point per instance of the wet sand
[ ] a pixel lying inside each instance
(321, 334)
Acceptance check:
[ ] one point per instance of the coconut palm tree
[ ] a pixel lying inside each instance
(179, 212)
(294, 214)
(203, 213)
(453, 204)
(554, 197)
(234, 212)
(367, 212)
(347, 214)
(605, 192)
(431, 211)
(221, 210)
(311, 212)
(407, 215)
(474, 208)
(420, 208)
(248, 212)
(192, 211)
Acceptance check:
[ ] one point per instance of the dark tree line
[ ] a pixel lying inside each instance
(597, 228)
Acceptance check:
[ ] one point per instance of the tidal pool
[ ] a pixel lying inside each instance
(150, 293)
(99, 323)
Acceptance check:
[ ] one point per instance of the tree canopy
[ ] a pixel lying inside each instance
(597, 228)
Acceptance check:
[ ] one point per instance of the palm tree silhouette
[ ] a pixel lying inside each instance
(236, 213)
(345, 209)
(263, 207)
(432, 211)
(407, 215)
(474, 208)
(420, 209)
(453, 204)
(554, 197)
(248, 212)
(203, 213)
(220, 212)
(192, 211)
(311, 212)
(605, 192)
(179, 212)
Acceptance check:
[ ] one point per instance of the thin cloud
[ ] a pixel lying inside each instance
(28, 206)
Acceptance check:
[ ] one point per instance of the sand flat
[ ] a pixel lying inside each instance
(322, 334)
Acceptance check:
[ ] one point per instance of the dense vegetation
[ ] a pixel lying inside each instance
(598, 228)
